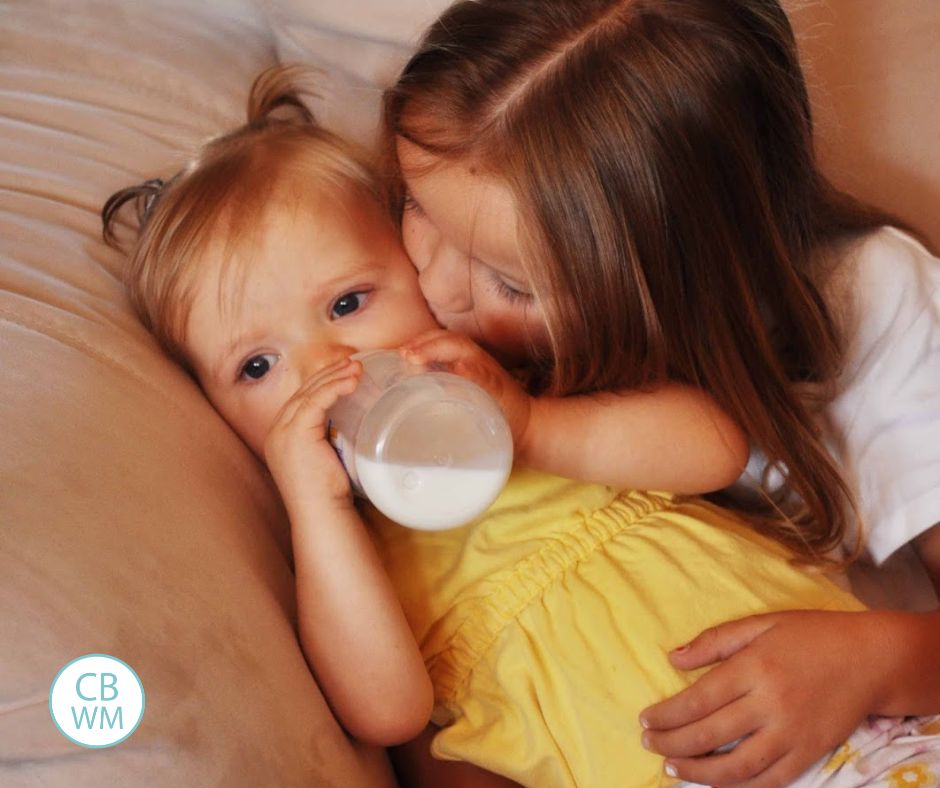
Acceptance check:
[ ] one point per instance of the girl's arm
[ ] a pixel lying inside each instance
(675, 438)
(794, 685)
(928, 547)
(351, 625)
(913, 685)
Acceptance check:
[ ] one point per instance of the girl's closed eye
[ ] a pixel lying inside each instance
(410, 205)
(256, 367)
(506, 291)
(348, 303)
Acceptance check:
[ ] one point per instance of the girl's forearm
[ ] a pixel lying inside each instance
(674, 439)
(911, 642)
(910, 678)
(353, 630)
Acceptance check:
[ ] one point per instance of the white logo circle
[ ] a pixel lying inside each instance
(96, 700)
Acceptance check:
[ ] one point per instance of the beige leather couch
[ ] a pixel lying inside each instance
(132, 521)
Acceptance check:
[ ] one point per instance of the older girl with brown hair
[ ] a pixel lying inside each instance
(636, 179)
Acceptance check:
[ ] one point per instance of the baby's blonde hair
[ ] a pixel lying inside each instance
(223, 192)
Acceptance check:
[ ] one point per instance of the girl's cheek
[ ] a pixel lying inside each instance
(411, 240)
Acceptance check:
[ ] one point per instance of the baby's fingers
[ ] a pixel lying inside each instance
(318, 394)
(296, 451)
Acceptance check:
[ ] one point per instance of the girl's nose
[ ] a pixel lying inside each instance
(445, 283)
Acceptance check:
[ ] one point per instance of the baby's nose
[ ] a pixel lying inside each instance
(322, 356)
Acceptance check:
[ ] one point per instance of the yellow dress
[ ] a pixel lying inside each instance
(545, 623)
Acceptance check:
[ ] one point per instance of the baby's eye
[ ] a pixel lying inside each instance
(258, 366)
(347, 304)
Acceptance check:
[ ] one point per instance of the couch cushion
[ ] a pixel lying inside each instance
(359, 47)
(872, 69)
(132, 521)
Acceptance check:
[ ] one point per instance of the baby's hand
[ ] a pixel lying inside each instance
(301, 460)
(461, 355)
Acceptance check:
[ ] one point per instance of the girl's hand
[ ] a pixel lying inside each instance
(790, 687)
(301, 460)
(461, 355)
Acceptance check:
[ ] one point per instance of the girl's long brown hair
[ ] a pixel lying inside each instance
(676, 221)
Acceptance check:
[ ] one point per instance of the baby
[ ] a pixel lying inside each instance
(538, 632)
(261, 267)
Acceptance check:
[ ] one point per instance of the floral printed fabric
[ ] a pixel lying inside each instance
(885, 752)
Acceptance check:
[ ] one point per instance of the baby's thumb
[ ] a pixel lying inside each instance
(718, 643)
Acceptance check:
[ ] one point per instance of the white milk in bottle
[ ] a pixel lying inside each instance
(430, 450)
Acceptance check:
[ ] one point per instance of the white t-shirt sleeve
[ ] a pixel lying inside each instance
(886, 418)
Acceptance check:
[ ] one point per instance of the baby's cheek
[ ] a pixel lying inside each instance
(252, 421)
(420, 316)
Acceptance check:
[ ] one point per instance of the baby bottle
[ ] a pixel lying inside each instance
(430, 450)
